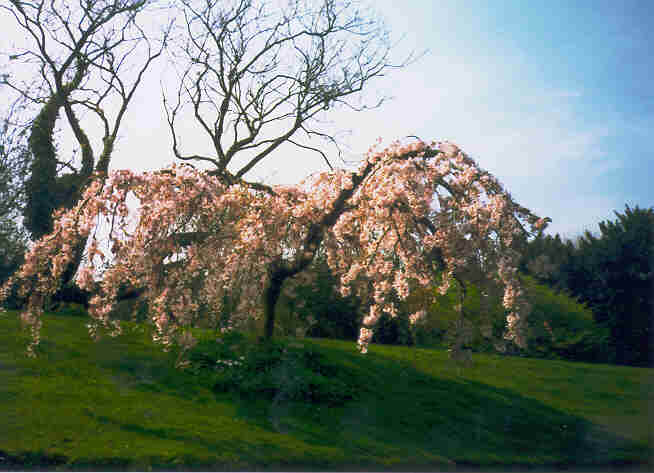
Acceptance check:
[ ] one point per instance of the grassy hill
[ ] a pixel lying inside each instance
(121, 404)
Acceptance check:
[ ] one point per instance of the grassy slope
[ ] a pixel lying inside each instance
(120, 404)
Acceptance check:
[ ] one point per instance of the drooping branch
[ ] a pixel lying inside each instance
(198, 240)
(281, 271)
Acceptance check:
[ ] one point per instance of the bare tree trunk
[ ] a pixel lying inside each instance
(271, 297)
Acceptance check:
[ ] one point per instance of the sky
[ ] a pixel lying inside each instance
(554, 98)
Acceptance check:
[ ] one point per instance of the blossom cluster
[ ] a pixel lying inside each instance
(195, 240)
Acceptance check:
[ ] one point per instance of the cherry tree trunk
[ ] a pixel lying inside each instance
(271, 297)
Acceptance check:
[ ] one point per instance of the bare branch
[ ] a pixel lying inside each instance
(85, 56)
(255, 74)
(324, 156)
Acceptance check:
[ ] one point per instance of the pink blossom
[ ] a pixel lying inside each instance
(377, 225)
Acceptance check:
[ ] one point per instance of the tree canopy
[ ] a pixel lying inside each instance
(405, 211)
(254, 76)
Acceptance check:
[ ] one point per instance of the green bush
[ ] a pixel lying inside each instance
(441, 315)
(393, 330)
(561, 327)
(277, 370)
(208, 354)
(72, 309)
(133, 310)
(317, 309)
(590, 345)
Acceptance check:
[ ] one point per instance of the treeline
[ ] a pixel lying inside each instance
(612, 273)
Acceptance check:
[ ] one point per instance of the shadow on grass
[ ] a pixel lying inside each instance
(402, 414)
(472, 424)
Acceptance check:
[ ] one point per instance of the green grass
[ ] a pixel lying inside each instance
(120, 404)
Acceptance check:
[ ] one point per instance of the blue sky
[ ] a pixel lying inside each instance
(554, 98)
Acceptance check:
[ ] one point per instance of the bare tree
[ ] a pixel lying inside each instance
(14, 165)
(259, 74)
(88, 56)
(14, 168)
